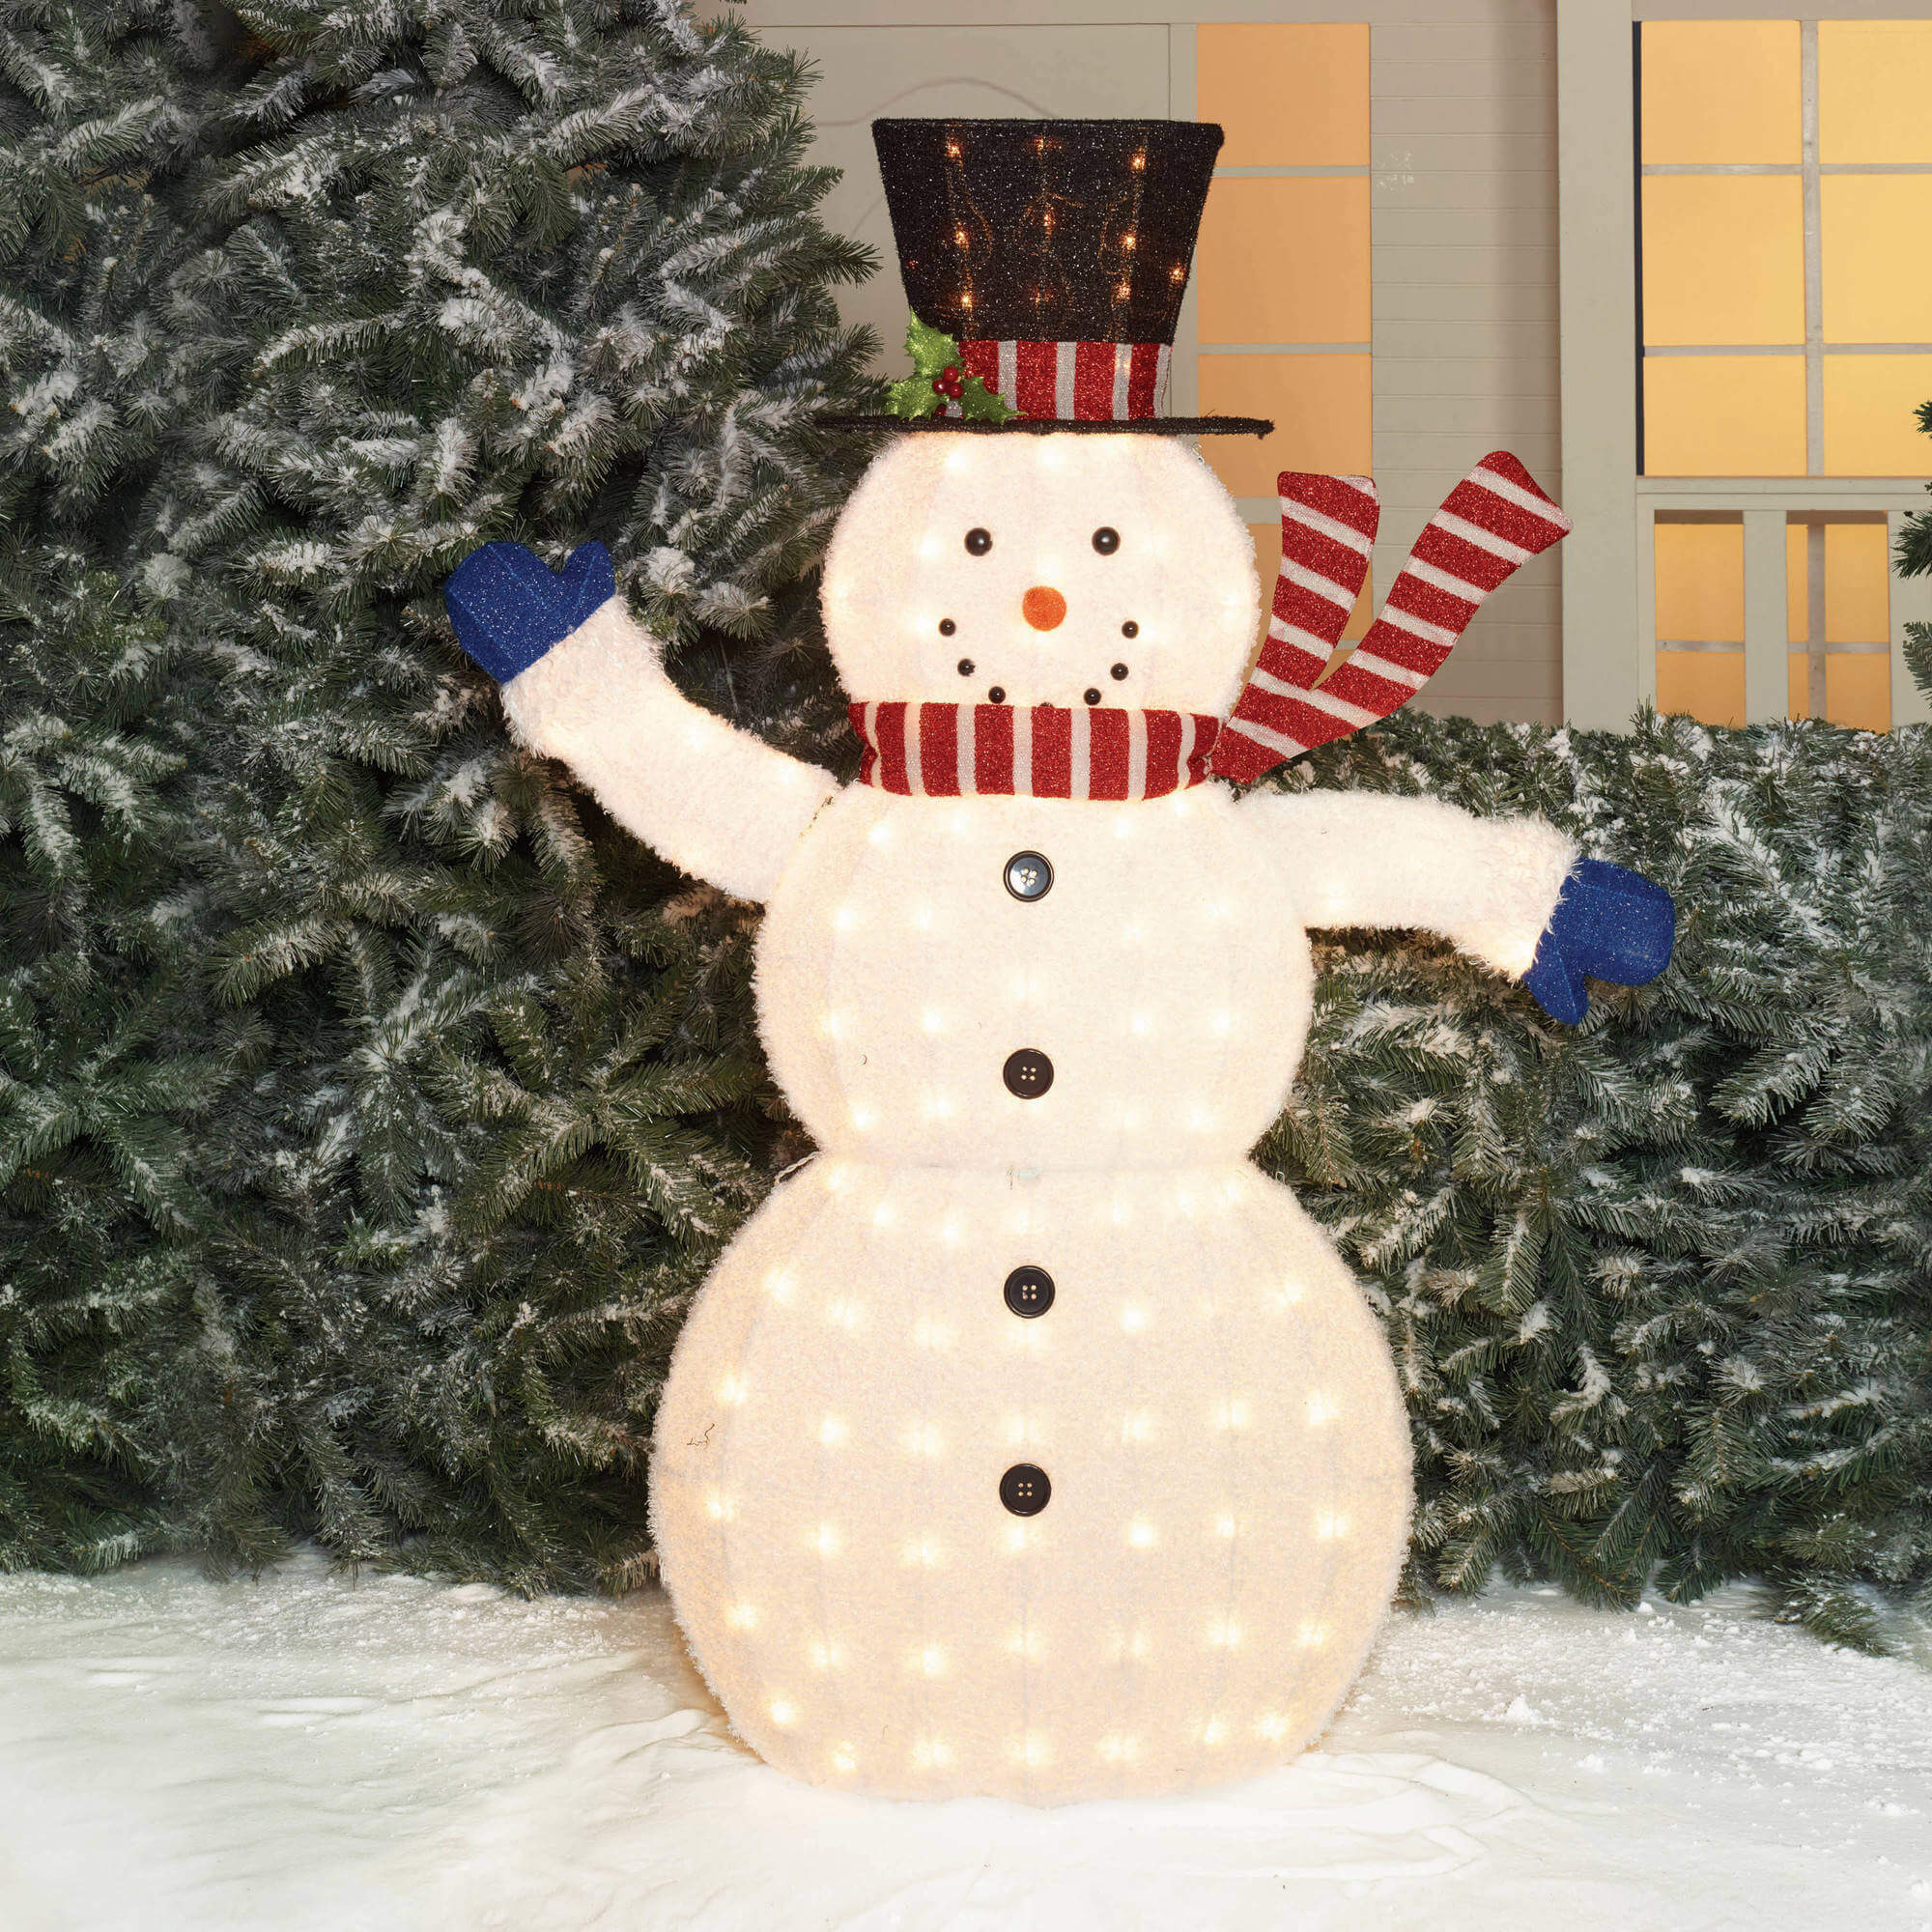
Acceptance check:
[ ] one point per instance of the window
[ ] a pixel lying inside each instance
(1281, 273)
(1786, 331)
(1786, 305)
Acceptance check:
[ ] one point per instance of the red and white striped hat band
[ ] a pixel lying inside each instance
(1300, 693)
(1072, 382)
(1049, 750)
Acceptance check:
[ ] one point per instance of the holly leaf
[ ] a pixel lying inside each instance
(980, 404)
(912, 396)
(933, 350)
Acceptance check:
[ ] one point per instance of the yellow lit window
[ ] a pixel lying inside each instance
(1839, 614)
(1700, 620)
(1787, 319)
(1281, 273)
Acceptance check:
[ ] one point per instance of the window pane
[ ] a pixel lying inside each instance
(1858, 690)
(1708, 686)
(1700, 582)
(1874, 80)
(1723, 259)
(1726, 415)
(1286, 95)
(1285, 260)
(1320, 406)
(1720, 90)
(1870, 429)
(1858, 583)
(1878, 275)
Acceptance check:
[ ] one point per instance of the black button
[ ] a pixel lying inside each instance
(1025, 1489)
(1028, 1073)
(1029, 1291)
(1028, 876)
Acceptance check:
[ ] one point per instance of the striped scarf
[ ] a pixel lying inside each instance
(967, 751)
(1302, 691)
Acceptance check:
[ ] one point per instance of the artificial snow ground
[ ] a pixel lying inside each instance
(308, 1752)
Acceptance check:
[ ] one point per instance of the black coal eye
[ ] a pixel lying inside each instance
(947, 627)
(1130, 629)
(965, 667)
(1106, 540)
(1092, 693)
(979, 542)
(998, 694)
(1119, 672)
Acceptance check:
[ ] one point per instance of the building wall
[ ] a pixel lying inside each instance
(1463, 106)
(1464, 244)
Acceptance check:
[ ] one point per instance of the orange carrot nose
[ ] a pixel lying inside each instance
(1044, 608)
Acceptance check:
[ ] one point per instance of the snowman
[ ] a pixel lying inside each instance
(1029, 1441)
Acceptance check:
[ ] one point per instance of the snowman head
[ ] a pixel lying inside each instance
(1041, 569)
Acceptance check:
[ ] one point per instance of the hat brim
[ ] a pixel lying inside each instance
(1054, 426)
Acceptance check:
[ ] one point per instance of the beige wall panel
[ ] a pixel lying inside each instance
(1464, 299)
(865, 72)
(1491, 225)
(1431, 300)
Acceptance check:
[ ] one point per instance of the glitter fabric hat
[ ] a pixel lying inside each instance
(1056, 254)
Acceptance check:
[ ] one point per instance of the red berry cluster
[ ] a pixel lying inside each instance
(948, 383)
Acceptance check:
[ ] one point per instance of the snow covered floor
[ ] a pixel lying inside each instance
(308, 1753)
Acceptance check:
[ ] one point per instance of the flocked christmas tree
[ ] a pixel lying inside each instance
(368, 1105)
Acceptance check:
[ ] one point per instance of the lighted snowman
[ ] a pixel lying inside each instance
(1029, 1441)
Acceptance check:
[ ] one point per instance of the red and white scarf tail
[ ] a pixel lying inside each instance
(1495, 520)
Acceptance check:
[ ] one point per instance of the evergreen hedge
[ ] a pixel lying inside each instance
(370, 1108)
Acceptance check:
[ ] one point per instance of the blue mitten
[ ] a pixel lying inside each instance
(509, 608)
(1611, 924)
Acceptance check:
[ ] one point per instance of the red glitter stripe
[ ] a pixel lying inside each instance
(993, 748)
(1093, 382)
(1163, 752)
(890, 727)
(1036, 371)
(1206, 732)
(939, 750)
(1422, 599)
(1339, 499)
(1107, 754)
(1354, 685)
(1052, 752)
(1143, 371)
(1342, 567)
(982, 359)
(1309, 610)
(1305, 724)
(1403, 647)
(1481, 569)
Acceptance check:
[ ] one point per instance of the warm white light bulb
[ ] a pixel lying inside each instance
(828, 1542)
(1141, 1535)
(833, 1432)
(1323, 1409)
(784, 1711)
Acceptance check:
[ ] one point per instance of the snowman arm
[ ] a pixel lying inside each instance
(583, 682)
(1489, 886)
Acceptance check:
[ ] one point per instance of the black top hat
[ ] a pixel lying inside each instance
(1056, 253)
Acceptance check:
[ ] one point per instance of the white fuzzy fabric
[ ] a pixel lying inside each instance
(1211, 1400)
(712, 799)
(1183, 574)
(1488, 885)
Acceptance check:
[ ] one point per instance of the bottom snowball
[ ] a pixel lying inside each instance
(1208, 1395)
